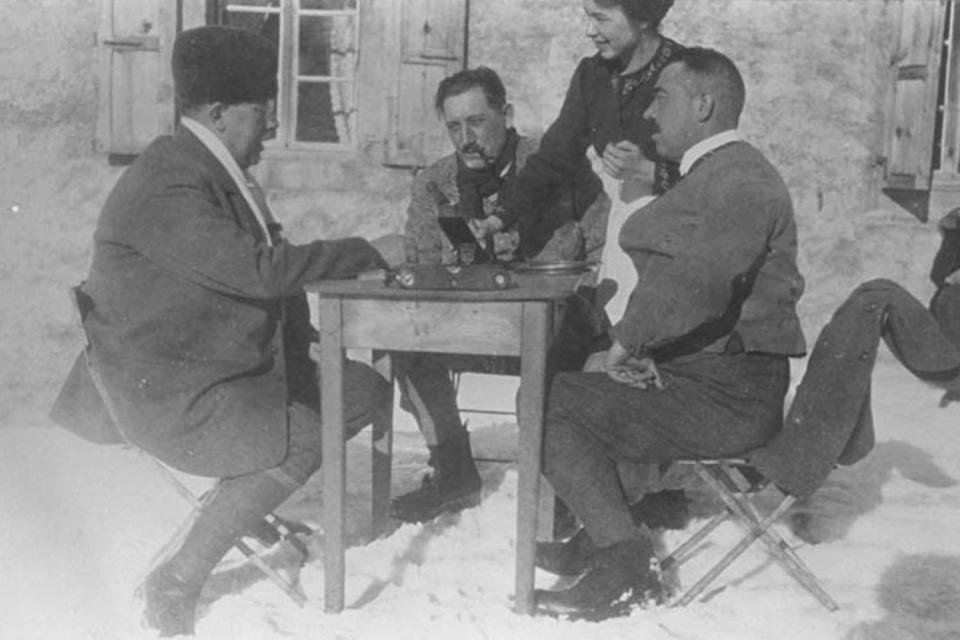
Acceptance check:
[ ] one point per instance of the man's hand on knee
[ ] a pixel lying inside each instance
(637, 372)
(630, 370)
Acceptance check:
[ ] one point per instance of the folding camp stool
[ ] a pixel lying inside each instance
(271, 529)
(736, 483)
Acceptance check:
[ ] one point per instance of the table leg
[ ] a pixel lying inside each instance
(533, 351)
(382, 450)
(334, 452)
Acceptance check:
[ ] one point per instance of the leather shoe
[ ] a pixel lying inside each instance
(667, 509)
(569, 558)
(169, 603)
(619, 578)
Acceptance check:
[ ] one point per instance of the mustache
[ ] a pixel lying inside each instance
(474, 147)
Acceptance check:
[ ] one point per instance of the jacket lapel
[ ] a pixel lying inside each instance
(226, 188)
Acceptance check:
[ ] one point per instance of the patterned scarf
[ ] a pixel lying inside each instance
(476, 184)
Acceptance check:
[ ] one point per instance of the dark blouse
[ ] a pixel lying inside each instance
(602, 106)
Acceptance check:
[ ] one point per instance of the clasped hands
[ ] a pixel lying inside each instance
(624, 368)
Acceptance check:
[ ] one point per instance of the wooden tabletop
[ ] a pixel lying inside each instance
(528, 287)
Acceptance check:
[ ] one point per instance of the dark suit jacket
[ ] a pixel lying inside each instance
(830, 421)
(199, 328)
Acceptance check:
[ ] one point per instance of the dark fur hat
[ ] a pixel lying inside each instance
(645, 10)
(223, 64)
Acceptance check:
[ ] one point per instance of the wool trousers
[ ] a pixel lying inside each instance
(711, 405)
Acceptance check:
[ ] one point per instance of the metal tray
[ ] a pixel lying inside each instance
(552, 267)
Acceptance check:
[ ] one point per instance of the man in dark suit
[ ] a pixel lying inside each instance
(199, 325)
(699, 362)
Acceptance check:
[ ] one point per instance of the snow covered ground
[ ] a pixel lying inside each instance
(81, 523)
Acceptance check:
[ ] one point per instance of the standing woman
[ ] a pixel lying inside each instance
(604, 107)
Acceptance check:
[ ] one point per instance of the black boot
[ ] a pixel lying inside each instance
(667, 509)
(454, 484)
(569, 558)
(565, 523)
(170, 592)
(619, 578)
(170, 602)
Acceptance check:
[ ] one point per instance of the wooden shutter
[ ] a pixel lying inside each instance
(950, 145)
(135, 90)
(911, 118)
(432, 45)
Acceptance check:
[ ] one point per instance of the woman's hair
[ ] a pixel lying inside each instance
(462, 81)
(652, 11)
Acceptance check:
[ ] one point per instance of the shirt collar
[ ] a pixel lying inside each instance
(222, 154)
(215, 146)
(705, 146)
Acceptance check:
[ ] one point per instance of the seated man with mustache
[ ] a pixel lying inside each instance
(473, 106)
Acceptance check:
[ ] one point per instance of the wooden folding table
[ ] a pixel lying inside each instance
(519, 321)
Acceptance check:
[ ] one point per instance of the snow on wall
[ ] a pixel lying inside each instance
(816, 71)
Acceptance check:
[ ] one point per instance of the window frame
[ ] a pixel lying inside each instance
(947, 156)
(289, 14)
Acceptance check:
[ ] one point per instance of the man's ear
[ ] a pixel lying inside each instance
(705, 105)
(216, 112)
(508, 114)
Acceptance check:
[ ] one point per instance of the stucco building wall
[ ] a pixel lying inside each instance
(817, 72)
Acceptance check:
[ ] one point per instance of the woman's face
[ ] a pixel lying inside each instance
(611, 31)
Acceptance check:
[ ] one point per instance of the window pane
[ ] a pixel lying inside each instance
(325, 112)
(253, 15)
(327, 46)
(330, 5)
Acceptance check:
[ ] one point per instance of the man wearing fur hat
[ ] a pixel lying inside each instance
(200, 327)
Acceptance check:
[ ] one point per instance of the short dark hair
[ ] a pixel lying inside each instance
(652, 11)
(722, 73)
(462, 81)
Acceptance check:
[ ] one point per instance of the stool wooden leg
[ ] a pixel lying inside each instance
(759, 527)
